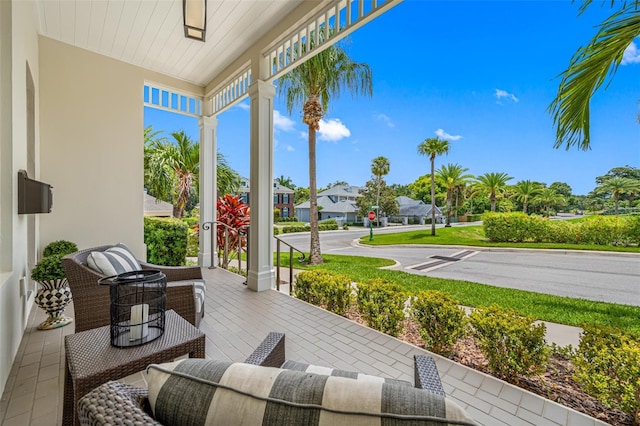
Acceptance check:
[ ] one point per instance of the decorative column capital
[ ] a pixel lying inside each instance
(208, 122)
(261, 87)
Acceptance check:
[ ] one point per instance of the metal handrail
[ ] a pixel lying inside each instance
(291, 249)
(242, 232)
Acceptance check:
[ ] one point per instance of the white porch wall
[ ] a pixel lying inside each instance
(92, 121)
(19, 46)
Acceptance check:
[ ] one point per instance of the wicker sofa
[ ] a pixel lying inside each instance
(91, 302)
(223, 393)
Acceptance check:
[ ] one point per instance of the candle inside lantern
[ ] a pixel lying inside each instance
(139, 319)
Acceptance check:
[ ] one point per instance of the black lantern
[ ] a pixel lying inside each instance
(138, 301)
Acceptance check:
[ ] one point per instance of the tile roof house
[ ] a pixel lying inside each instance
(416, 209)
(338, 202)
(155, 207)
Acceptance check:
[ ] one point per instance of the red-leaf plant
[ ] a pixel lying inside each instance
(234, 213)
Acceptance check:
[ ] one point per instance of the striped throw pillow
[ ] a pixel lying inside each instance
(209, 392)
(113, 261)
(328, 371)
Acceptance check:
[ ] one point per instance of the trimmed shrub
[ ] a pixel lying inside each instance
(337, 294)
(59, 247)
(440, 319)
(512, 344)
(166, 240)
(326, 289)
(286, 219)
(381, 304)
(48, 269)
(308, 284)
(608, 368)
(191, 220)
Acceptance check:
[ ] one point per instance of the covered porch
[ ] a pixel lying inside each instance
(237, 320)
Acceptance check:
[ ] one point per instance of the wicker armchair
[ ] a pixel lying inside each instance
(91, 302)
(116, 403)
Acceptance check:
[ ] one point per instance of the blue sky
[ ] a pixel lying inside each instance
(478, 73)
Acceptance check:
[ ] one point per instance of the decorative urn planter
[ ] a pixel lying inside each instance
(53, 293)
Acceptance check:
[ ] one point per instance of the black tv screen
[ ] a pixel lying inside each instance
(33, 196)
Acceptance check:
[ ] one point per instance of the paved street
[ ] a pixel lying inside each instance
(601, 276)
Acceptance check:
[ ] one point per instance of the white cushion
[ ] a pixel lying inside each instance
(209, 392)
(113, 261)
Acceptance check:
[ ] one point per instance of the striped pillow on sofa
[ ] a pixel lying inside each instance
(209, 392)
(113, 261)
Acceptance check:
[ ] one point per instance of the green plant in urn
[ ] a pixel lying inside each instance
(53, 293)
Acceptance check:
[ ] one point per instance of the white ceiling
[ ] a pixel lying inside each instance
(150, 34)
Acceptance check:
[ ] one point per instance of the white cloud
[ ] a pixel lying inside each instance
(444, 135)
(333, 130)
(631, 55)
(304, 135)
(290, 148)
(244, 106)
(504, 94)
(280, 122)
(386, 119)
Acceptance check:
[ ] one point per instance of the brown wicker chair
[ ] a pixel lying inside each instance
(91, 302)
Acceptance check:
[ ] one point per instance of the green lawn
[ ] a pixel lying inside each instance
(563, 310)
(473, 236)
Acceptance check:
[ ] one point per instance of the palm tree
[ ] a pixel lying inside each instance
(311, 85)
(525, 190)
(228, 181)
(493, 183)
(433, 147)
(617, 186)
(452, 177)
(285, 181)
(380, 167)
(588, 69)
(549, 197)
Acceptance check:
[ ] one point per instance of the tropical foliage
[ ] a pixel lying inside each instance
(172, 167)
(310, 86)
(432, 147)
(588, 69)
(494, 184)
(454, 179)
(380, 167)
(524, 191)
(233, 218)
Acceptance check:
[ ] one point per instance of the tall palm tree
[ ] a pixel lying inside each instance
(286, 182)
(228, 181)
(311, 85)
(380, 167)
(525, 190)
(452, 177)
(588, 69)
(432, 147)
(493, 183)
(617, 186)
(549, 197)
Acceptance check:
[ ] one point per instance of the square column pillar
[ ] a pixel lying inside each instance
(207, 254)
(260, 274)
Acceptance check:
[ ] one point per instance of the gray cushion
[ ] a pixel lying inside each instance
(113, 261)
(209, 392)
(328, 371)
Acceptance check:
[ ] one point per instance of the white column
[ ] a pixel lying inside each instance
(208, 189)
(260, 275)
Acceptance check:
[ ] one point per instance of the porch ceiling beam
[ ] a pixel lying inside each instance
(287, 51)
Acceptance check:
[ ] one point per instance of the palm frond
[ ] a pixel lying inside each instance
(588, 69)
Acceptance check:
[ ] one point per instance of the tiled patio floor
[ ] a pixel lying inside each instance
(237, 320)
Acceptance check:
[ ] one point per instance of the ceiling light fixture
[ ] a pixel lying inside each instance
(194, 13)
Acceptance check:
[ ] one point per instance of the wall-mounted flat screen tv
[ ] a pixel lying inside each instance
(33, 196)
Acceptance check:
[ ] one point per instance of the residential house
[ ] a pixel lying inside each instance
(282, 197)
(415, 211)
(157, 208)
(337, 202)
(75, 77)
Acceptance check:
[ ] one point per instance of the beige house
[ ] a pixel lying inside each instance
(157, 208)
(74, 79)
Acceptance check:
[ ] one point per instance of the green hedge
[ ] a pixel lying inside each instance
(596, 230)
(286, 219)
(381, 304)
(324, 226)
(441, 321)
(166, 240)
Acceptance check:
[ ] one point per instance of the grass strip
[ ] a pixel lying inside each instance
(474, 236)
(558, 309)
